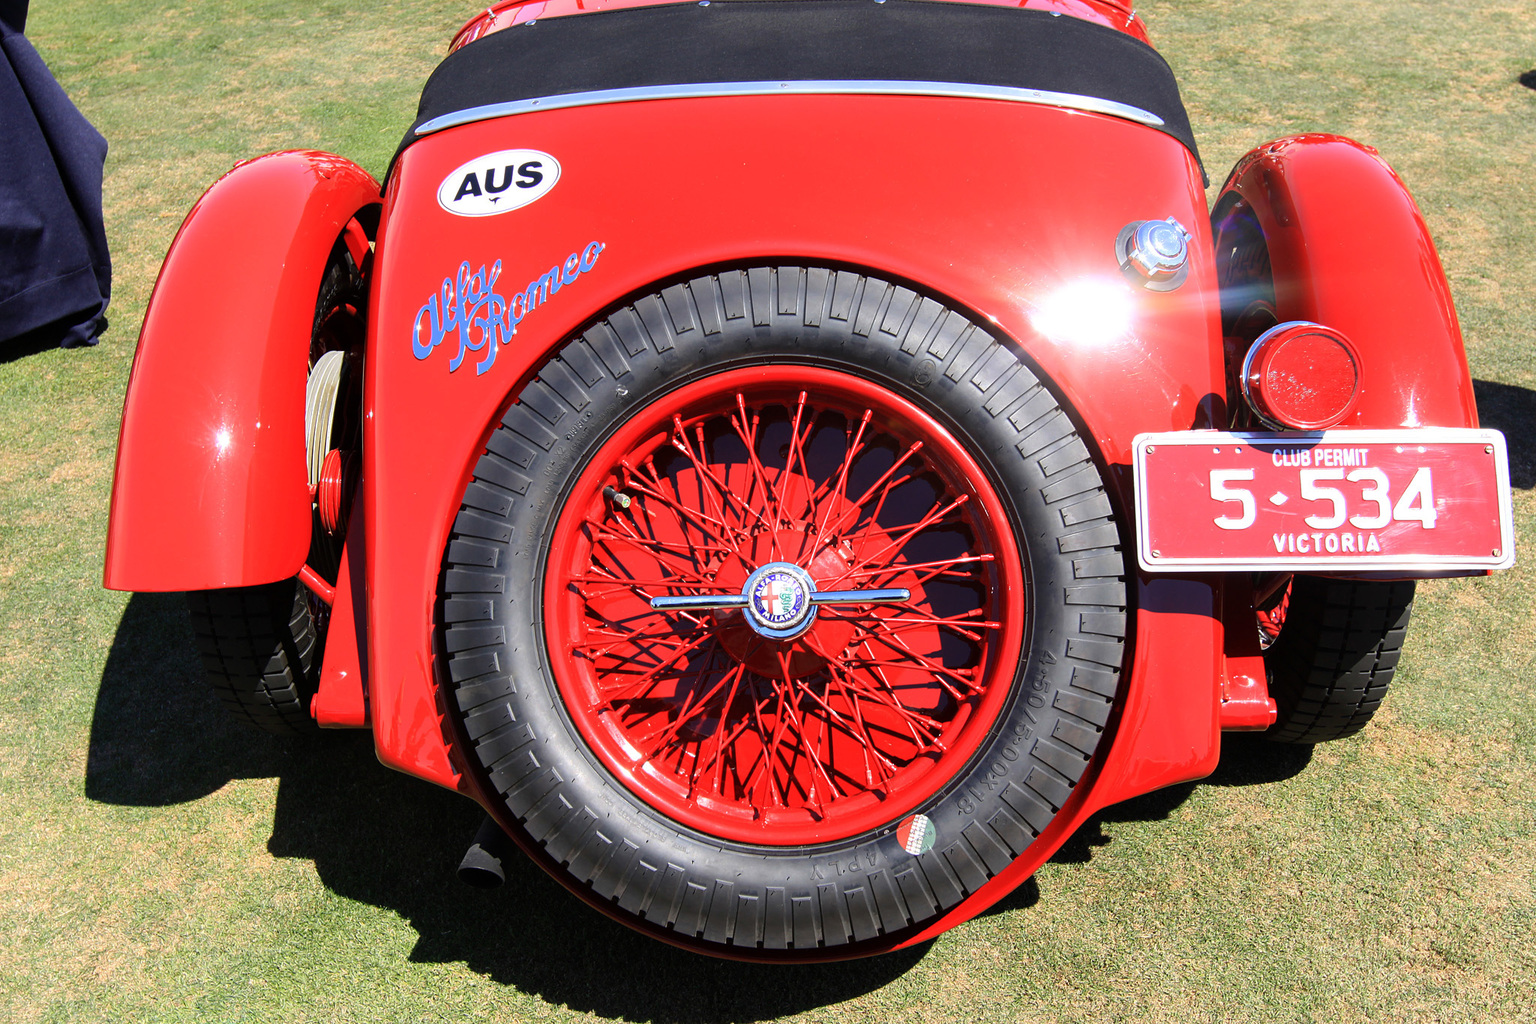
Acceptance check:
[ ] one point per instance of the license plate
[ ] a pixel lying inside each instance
(1420, 500)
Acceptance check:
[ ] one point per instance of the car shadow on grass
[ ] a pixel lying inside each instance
(381, 838)
(158, 735)
(1247, 759)
(159, 738)
(1511, 409)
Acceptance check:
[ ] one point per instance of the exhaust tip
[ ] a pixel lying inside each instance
(482, 867)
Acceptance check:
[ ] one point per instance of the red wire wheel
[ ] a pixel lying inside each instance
(805, 739)
(1272, 602)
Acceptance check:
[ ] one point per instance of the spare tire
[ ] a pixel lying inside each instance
(750, 768)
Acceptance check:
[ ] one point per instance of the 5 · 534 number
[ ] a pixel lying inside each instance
(1372, 505)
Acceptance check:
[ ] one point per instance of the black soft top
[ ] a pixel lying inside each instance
(805, 40)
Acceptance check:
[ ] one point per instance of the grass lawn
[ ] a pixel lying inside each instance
(160, 864)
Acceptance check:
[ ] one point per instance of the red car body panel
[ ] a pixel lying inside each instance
(211, 488)
(993, 240)
(341, 698)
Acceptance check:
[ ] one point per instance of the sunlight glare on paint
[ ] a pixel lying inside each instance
(222, 440)
(1087, 312)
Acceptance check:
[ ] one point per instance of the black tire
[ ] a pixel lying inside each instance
(832, 899)
(1333, 660)
(261, 653)
(262, 646)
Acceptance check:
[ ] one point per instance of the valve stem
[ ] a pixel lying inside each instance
(616, 496)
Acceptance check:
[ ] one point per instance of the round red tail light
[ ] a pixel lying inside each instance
(1301, 375)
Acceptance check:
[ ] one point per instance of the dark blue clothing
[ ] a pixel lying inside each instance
(55, 272)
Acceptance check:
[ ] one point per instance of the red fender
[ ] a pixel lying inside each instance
(1348, 248)
(211, 489)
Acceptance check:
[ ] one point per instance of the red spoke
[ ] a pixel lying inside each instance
(921, 663)
(622, 636)
(886, 696)
(599, 580)
(802, 737)
(850, 452)
(771, 744)
(832, 716)
(691, 707)
(652, 490)
(852, 513)
(738, 674)
(652, 669)
(901, 539)
(788, 478)
(700, 468)
(903, 624)
(724, 492)
(635, 692)
(943, 565)
(866, 741)
(660, 550)
(759, 471)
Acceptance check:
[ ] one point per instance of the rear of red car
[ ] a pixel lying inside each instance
(791, 463)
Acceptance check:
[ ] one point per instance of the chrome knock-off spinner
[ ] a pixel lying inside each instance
(779, 600)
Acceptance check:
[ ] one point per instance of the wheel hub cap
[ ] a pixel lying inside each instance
(779, 600)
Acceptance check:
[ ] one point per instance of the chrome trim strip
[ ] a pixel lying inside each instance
(855, 87)
(890, 595)
(706, 602)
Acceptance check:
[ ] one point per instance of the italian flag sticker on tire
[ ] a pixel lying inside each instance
(915, 834)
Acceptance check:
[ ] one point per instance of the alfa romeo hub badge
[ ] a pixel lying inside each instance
(779, 600)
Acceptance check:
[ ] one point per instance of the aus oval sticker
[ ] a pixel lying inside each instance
(498, 182)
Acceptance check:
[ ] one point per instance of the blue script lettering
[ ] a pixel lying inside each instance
(470, 307)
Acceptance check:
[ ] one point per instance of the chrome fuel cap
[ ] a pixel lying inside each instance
(1154, 253)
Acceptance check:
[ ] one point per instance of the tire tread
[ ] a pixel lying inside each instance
(260, 652)
(1333, 662)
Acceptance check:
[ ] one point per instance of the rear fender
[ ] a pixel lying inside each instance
(1348, 248)
(211, 488)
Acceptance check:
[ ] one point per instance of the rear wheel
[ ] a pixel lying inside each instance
(262, 646)
(1335, 648)
(785, 609)
(261, 650)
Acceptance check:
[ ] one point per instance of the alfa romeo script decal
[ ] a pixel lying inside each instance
(498, 182)
(473, 309)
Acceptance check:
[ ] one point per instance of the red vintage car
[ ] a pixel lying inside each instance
(791, 463)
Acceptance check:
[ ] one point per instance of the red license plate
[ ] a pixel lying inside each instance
(1432, 499)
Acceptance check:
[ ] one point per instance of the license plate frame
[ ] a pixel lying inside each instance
(1469, 512)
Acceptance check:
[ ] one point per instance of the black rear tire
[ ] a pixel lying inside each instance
(1335, 655)
(261, 653)
(1331, 663)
